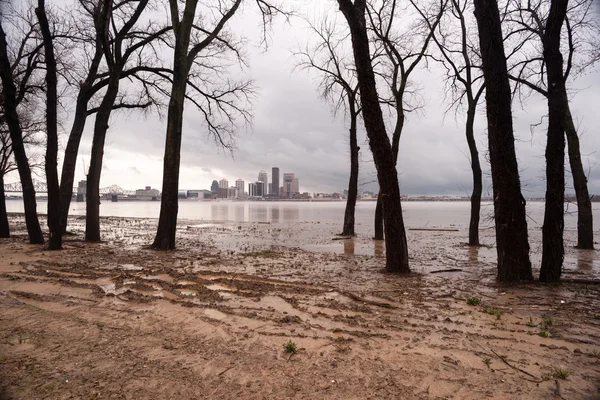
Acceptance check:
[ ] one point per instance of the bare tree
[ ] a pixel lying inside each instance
(15, 85)
(512, 243)
(461, 60)
(338, 85)
(385, 163)
(196, 45)
(55, 237)
(580, 36)
(403, 51)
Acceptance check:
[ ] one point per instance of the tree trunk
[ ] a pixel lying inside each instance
(585, 223)
(169, 206)
(92, 204)
(4, 227)
(55, 236)
(379, 218)
(512, 243)
(353, 184)
(477, 180)
(553, 251)
(387, 176)
(16, 136)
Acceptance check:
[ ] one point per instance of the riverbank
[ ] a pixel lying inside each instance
(209, 320)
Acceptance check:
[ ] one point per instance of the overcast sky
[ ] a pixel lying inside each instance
(295, 130)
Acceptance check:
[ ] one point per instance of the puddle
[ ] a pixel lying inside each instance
(216, 286)
(187, 292)
(161, 277)
(44, 288)
(214, 314)
(186, 283)
(130, 267)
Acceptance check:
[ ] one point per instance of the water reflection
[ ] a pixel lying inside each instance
(240, 212)
(257, 213)
(291, 214)
(275, 214)
(585, 260)
(379, 247)
(349, 246)
(219, 212)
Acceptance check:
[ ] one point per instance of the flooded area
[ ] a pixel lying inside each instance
(210, 319)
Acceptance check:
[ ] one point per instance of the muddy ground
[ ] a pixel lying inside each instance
(210, 320)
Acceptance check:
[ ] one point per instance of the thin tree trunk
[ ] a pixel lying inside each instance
(585, 222)
(395, 235)
(4, 226)
(55, 237)
(379, 218)
(353, 183)
(16, 136)
(477, 180)
(512, 243)
(553, 251)
(92, 205)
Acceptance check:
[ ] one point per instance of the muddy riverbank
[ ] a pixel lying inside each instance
(209, 320)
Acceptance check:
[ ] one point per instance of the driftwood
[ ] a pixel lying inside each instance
(342, 238)
(434, 229)
(367, 301)
(439, 271)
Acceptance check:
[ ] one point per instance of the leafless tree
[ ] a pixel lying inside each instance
(383, 156)
(580, 41)
(512, 244)
(199, 42)
(19, 79)
(339, 86)
(402, 50)
(460, 57)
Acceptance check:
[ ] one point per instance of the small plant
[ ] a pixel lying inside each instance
(597, 316)
(487, 361)
(246, 335)
(561, 373)
(595, 353)
(473, 301)
(531, 323)
(290, 347)
(544, 332)
(546, 321)
(494, 311)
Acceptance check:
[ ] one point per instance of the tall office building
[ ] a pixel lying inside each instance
(214, 187)
(296, 185)
(288, 181)
(223, 184)
(239, 184)
(252, 189)
(275, 180)
(264, 178)
(260, 188)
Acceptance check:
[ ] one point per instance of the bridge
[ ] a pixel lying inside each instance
(40, 187)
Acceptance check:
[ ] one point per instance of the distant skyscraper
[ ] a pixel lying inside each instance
(214, 187)
(264, 178)
(275, 179)
(252, 189)
(270, 191)
(288, 182)
(260, 188)
(296, 185)
(223, 184)
(239, 184)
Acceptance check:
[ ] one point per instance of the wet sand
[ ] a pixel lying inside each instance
(209, 320)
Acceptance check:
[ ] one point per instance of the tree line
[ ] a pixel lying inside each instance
(110, 55)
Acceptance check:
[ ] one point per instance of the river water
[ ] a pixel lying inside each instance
(416, 213)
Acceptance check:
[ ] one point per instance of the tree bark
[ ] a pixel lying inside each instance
(387, 176)
(379, 218)
(169, 206)
(553, 247)
(477, 179)
(512, 243)
(353, 183)
(16, 136)
(4, 226)
(92, 205)
(55, 236)
(585, 222)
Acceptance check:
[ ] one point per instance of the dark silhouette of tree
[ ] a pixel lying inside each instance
(383, 156)
(402, 51)
(338, 85)
(580, 39)
(461, 60)
(512, 243)
(55, 236)
(12, 95)
(195, 46)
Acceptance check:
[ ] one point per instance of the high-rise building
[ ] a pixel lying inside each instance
(260, 189)
(270, 189)
(264, 178)
(223, 184)
(239, 184)
(296, 186)
(214, 186)
(288, 181)
(275, 179)
(252, 189)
